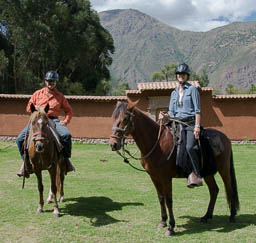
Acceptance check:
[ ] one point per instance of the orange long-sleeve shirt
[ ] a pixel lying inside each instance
(56, 101)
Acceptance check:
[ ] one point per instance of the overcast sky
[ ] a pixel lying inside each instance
(194, 15)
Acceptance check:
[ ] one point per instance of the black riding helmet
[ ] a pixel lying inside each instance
(182, 68)
(51, 76)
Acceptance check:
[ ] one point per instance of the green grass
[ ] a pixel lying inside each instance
(107, 201)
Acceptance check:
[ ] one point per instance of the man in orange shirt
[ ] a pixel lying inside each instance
(57, 102)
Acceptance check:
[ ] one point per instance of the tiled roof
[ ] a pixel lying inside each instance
(162, 85)
(96, 98)
(132, 91)
(69, 97)
(235, 96)
(15, 96)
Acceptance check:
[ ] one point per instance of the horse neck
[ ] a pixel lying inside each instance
(145, 132)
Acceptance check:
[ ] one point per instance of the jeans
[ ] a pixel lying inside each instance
(192, 148)
(64, 133)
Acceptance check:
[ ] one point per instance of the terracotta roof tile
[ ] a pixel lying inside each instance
(69, 97)
(15, 96)
(135, 91)
(95, 98)
(162, 85)
(235, 96)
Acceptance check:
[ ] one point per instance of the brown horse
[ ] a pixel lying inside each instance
(156, 144)
(44, 155)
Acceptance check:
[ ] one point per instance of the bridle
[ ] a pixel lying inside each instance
(123, 131)
(39, 136)
(124, 134)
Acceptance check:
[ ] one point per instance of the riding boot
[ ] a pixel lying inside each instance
(194, 180)
(24, 172)
(69, 166)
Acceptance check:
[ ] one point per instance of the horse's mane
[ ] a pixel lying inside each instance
(120, 109)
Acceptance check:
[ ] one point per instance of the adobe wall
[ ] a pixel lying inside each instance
(236, 117)
(91, 119)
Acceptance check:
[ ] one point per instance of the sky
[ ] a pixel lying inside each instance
(193, 15)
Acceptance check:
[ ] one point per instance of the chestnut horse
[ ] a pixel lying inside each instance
(158, 157)
(44, 155)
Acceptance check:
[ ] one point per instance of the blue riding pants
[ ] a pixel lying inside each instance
(63, 131)
(192, 148)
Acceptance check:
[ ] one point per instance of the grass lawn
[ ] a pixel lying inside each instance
(108, 201)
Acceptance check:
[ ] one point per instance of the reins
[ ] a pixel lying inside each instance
(126, 159)
(126, 151)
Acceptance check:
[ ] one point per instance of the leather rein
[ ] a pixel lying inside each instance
(122, 141)
(124, 134)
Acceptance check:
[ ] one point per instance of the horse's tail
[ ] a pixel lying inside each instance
(234, 199)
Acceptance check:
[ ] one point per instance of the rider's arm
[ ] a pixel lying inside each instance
(68, 111)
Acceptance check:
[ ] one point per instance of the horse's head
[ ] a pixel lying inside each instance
(123, 123)
(39, 121)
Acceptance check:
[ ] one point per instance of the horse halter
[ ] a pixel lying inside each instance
(40, 135)
(123, 131)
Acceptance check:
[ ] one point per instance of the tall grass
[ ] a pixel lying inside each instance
(108, 201)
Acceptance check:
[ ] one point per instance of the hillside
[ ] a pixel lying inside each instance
(144, 44)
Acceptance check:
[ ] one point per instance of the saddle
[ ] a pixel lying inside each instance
(209, 147)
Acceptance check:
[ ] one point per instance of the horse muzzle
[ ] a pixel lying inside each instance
(39, 146)
(114, 144)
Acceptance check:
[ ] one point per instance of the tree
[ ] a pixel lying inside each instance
(203, 78)
(120, 90)
(157, 77)
(231, 90)
(252, 89)
(62, 35)
(168, 74)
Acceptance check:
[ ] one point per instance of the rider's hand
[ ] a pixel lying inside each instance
(197, 132)
(62, 123)
(161, 115)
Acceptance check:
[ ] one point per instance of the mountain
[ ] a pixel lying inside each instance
(144, 45)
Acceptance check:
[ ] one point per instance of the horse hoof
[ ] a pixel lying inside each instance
(232, 220)
(39, 210)
(61, 200)
(169, 232)
(203, 220)
(162, 225)
(56, 214)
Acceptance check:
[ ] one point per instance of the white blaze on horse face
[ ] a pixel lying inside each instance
(40, 121)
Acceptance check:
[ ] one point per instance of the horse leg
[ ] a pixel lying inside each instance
(232, 197)
(61, 185)
(213, 190)
(40, 189)
(54, 192)
(161, 199)
(50, 195)
(168, 199)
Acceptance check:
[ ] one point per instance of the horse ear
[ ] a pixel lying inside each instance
(132, 104)
(32, 107)
(46, 108)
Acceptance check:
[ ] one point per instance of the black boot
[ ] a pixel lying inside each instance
(69, 166)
